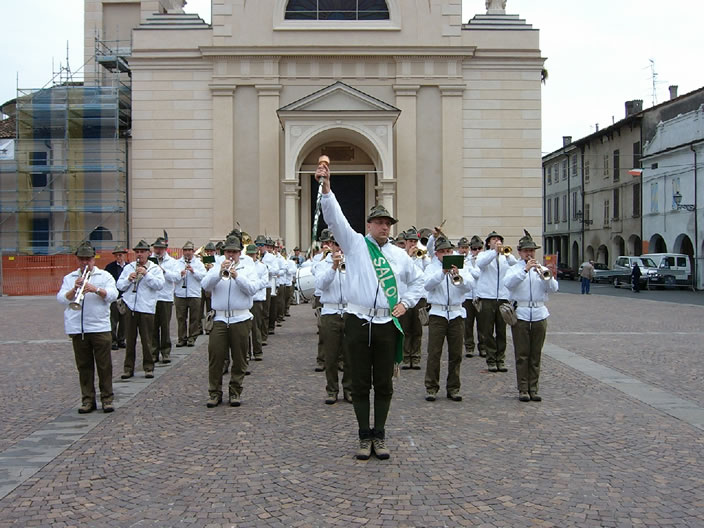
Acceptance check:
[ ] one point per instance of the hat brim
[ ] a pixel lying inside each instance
(532, 246)
(391, 218)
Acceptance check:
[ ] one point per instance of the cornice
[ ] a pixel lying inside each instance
(339, 51)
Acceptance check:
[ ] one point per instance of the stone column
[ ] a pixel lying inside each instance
(292, 206)
(269, 130)
(452, 165)
(223, 160)
(406, 145)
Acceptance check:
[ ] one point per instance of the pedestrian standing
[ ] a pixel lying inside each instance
(586, 275)
(87, 293)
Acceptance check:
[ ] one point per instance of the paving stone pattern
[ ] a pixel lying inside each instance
(589, 455)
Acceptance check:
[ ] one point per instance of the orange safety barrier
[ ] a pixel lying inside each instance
(43, 274)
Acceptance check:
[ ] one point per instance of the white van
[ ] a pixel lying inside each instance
(676, 268)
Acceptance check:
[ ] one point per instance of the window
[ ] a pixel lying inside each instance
(586, 171)
(337, 10)
(557, 209)
(549, 211)
(636, 155)
(654, 197)
(617, 164)
(564, 208)
(636, 200)
(681, 262)
(607, 210)
(587, 211)
(564, 169)
(549, 174)
(606, 165)
(574, 205)
(616, 203)
(574, 165)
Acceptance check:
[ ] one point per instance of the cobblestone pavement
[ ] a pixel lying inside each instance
(589, 455)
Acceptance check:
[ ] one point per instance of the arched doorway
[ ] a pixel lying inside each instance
(574, 256)
(589, 253)
(313, 123)
(683, 244)
(619, 245)
(352, 172)
(657, 244)
(602, 255)
(635, 246)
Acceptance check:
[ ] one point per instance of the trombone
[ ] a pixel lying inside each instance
(77, 303)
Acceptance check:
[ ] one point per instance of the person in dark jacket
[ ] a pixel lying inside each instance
(635, 278)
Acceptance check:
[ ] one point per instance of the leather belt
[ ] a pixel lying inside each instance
(231, 313)
(530, 304)
(370, 312)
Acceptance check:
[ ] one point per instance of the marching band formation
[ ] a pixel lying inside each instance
(372, 296)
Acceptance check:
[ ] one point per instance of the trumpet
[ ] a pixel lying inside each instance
(77, 302)
(456, 279)
(420, 253)
(506, 251)
(543, 272)
(226, 274)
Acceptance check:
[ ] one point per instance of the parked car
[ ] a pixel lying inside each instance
(564, 272)
(602, 273)
(674, 267)
(648, 269)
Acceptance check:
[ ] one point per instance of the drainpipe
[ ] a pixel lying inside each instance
(696, 214)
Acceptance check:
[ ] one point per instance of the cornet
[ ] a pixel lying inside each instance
(543, 272)
(226, 274)
(77, 302)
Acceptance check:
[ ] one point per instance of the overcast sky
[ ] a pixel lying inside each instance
(598, 52)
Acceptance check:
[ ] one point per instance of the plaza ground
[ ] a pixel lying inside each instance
(616, 442)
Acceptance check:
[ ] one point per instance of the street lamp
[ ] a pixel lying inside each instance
(677, 197)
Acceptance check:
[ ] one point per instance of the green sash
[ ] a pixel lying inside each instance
(387, 280)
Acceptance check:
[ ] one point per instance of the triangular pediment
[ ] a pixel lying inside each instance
(338, 97)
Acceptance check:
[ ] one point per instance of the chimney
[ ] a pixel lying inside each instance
(673, 91)
(566, 140)
(597, 127)
(634, 106)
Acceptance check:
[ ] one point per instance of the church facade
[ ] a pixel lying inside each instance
(437, 119)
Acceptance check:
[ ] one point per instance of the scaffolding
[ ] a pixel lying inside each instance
(70, 166)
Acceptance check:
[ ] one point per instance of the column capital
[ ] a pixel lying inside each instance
(452, 90)
(268, 89)
(406, 89)
(222, 90)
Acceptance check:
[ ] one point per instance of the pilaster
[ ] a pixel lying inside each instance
(223, 159)
(452, 165)
(269, 194)
(406, 161)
